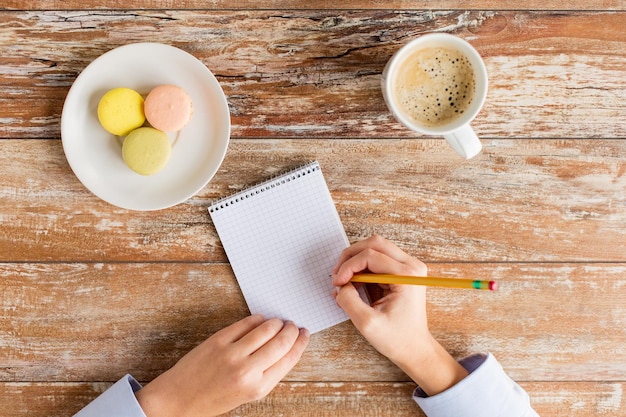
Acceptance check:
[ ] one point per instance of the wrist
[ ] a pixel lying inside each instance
(419, 348)
(433, 368)
(150, 402)
(157, 400)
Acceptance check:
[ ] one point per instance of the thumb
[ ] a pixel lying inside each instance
(350, 301)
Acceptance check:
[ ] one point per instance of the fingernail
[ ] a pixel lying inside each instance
(336, 291)
(305, 332)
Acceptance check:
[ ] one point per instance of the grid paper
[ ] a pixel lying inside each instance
(282, 238)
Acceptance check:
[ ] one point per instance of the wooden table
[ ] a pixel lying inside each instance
(90, 291)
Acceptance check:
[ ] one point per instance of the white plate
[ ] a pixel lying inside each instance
(96, 156)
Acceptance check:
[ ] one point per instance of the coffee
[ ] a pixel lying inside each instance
(434, 86)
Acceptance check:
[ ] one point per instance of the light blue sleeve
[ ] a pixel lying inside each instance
(119, 401)
(486, 392)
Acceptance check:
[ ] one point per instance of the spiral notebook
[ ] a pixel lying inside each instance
(282, 238)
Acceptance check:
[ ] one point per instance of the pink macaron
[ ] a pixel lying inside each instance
(168, 108)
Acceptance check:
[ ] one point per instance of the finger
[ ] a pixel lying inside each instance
(350, 301)
(260, 335)
(278, 370)
(371, 260)
(277, 347)
(237, 330)
(377, 243)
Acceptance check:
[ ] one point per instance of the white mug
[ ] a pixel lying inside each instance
(417, 57)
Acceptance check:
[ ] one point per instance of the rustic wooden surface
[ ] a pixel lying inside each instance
(90, 292)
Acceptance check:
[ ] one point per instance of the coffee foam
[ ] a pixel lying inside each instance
(434, 86)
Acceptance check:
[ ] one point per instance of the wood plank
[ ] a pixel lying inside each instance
(337, 399)
(524, 200)
(317, 4)
(89, 292)
(317, 73)
(91, 322)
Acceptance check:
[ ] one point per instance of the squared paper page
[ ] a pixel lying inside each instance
(282, 239)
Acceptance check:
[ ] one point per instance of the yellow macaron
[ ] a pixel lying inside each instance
(146, 150)
(120, 111)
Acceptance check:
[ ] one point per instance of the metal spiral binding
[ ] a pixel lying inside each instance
(263, 186)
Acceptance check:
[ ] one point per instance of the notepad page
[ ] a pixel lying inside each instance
(283, 238)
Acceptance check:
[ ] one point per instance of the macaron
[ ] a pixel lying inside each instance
(168, 108)
(120, 111)
(146, 150)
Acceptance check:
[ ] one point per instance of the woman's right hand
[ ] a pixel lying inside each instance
(395, 324)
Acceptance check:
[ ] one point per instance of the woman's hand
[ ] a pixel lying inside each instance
(395, 324)
(238, 364)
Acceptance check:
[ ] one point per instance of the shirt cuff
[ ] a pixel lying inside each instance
(119, 400)
(487, 391)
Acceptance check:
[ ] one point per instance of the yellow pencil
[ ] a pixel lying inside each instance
(426, 281)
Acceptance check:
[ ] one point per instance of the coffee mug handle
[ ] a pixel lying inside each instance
(464, 141)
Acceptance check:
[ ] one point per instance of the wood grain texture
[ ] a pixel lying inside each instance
(563, 399)
(89, 292)
(92, 322)
(316, 4)
(317, 73)
(524, 200)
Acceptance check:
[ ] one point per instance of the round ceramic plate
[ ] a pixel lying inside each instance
(96, 155)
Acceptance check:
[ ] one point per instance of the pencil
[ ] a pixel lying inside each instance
(426, 281)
